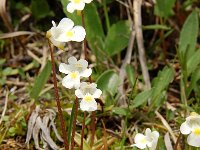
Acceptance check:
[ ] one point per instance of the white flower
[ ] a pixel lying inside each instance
(88, 92)
(192, 127)
(149, 140)
(77, 5)
(66, 31)
(59, 45)
(75, 70)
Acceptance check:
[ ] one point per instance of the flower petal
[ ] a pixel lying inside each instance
(66, 24)
(79, 6)
(97, 93)
(86, 73)
(59, 45)
(64, 68)
(79, 93)
(87, 1)
(79, 33)
(70, 83)
(140, 140)
(72, 60)
(185, 129)
(193, 140)
(83, 62)
(88, 106)
(70, 8)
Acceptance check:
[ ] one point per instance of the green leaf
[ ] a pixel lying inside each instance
(188, 35)
(7, 71)
(2, 61)
(77, 139)
(163, 8)
(117, 38)
(95, 34)
(162, 81)
(71, 123)
(142, 98)
(40, 81)
(120, 111)
(131, 74)
(194, 78)
(193, 62)
(40, 9)
(109, 81)
(156, 27)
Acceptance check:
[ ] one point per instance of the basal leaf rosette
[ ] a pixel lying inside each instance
(191, 127)
(74, 70)
(88, 92)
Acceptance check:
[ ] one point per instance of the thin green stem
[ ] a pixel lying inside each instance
(106, 15)
(82, 132)
(60, 113)
(74, 123)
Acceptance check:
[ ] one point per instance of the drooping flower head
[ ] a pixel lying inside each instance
(59, 45)
(74, 70)
(150, 140)
(88, 92)
(77, 5)
(192, 127)
(66, 31)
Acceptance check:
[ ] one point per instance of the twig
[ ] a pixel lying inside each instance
(74, 123)
(139, 38)
(93, 127)
(104, 136)
(60, 114)
(122, 71)
(5, 107)
(82, 132)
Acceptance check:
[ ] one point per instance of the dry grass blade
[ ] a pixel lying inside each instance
(166, 125)
(5, 107)
(15, 34)
(31, 124)
(168, 143)
(5, 16)
(40, 129)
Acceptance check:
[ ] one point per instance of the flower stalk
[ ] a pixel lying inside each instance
(60, 113)
(90, 80)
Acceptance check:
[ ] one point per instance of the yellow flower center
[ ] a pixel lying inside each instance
(143, 140)
(61, 47)
(197, 131)
(78, 66)
(73, 75)
(76, 1)
(193, 114)
(48, 34)
(70, 34)
(88, 98)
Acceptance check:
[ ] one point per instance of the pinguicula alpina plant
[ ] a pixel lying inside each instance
(77, 5)
(191, 127)
(149, 140)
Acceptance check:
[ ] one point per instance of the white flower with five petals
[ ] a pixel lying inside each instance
(88, 92)
(66, 31)
(192, 127)
(77, 5)
(150, 140)
(74, 70)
